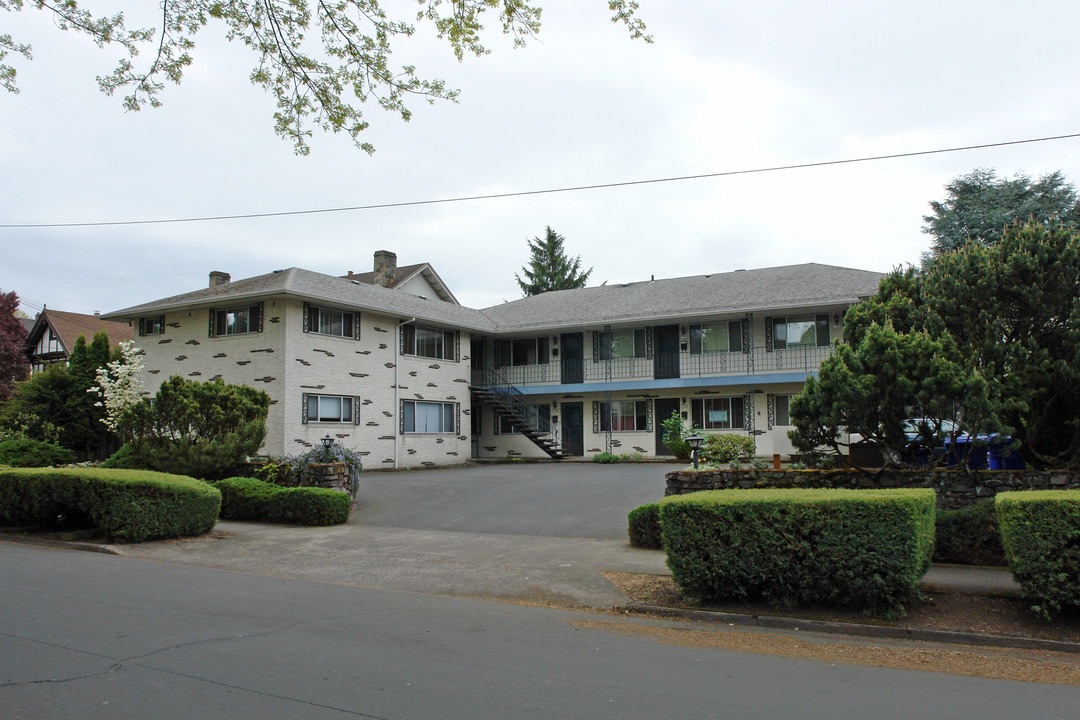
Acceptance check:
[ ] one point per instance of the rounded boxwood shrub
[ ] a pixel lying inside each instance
(1040, 531)
(859, 548)
(26, 452)
(244, 498)
(125, 505)
(644, 527)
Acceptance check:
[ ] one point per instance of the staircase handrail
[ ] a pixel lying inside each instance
(497, 384)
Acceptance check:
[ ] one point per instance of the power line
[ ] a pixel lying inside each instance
(549, 191)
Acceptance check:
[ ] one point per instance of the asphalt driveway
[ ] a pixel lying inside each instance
(565, 500)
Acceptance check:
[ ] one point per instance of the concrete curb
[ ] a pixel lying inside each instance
(66, 544)
(855, 629)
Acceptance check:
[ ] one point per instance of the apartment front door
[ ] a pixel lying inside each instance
(573, 428)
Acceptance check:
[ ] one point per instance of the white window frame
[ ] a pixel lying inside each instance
(345, 407)
(221, 320)
(726, 329)
(316, 325)
(720, 404)
(418, 337)
(447, 415)
(638, 411)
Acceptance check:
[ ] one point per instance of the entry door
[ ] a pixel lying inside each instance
(666, 356)
(662, 411)
(573, 358)
(572, 430)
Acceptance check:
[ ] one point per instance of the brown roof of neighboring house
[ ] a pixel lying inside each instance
(68, 326)
(403, 274)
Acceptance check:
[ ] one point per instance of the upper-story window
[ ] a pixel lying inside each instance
(236, 320)
(429, 342)
(800, 330)
(622, 344)
(151, 326)
(327, 321)
(522, 351)
(716, 337)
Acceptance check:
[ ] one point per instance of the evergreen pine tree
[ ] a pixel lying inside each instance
(549, 267)
(13, 363)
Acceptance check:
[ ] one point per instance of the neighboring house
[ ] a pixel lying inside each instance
(389, 364)
(53, 335)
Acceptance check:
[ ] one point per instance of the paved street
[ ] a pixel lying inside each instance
(87, 636)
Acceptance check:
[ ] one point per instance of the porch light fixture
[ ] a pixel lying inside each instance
(327, 441)
(694, 441)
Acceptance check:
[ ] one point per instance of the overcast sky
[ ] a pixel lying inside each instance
(726, 86)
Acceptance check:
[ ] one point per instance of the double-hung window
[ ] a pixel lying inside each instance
(330, 408)
(236, 320)
(428, 417)
(327, 321)
(624, 416)
(719, 413)
(151, 326)
(429, 342)
(716, 337)
(622, 344)
(800, 331)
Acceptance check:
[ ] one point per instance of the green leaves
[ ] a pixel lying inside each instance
(987, 337)
(319, 85)
(550, 268)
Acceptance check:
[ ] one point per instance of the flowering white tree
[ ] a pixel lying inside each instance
(120, 384)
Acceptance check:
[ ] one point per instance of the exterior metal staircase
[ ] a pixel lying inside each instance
(496, 391)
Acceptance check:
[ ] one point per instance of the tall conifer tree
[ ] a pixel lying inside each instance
(549, 268)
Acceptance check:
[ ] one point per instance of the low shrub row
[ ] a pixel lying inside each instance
(860, 548)
(125, 505)
(1040, 531)
(26, 452)
(245, 498)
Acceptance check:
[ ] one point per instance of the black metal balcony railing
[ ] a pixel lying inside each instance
(508, 399)
(801, 358)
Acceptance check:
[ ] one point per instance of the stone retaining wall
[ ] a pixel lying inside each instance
(955, 488)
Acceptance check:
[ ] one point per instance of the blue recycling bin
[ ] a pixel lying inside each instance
(1003, 456)
(965, 446)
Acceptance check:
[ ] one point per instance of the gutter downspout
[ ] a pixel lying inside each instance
(397, 390)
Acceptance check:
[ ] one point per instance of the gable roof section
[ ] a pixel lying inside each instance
(68, 326)
(405, 273)
(319, 288)
(764, 290)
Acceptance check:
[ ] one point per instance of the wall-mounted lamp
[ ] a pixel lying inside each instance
(836, 319)
(327, 441)
(554, 404)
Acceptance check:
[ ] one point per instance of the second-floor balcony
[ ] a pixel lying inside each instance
(757, 362)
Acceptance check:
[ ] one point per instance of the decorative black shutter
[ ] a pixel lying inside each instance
(457, 411)
(747, 340)
(648, 343)
(768, 334)
(407, 334)
(595, 346)
(213, 316)
(772, 410)
(356, 409)
(356, 326)
(649, 415)
(304, 411)
(748, 412)
(258, 317)
(457, 350)
(596, 418)
(307, 318)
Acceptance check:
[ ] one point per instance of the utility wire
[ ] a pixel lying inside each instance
(549, 191)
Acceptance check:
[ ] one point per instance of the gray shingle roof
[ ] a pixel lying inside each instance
(318, 287)
(768, 289)
(742, 291)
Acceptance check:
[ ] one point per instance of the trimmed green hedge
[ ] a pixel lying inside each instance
(859, 548)
(644, 527)
(969, 536)
(125, 505)
(251, 499)
(1040, 531)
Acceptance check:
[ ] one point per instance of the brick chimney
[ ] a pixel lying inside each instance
(385, 268)
(219, 278)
